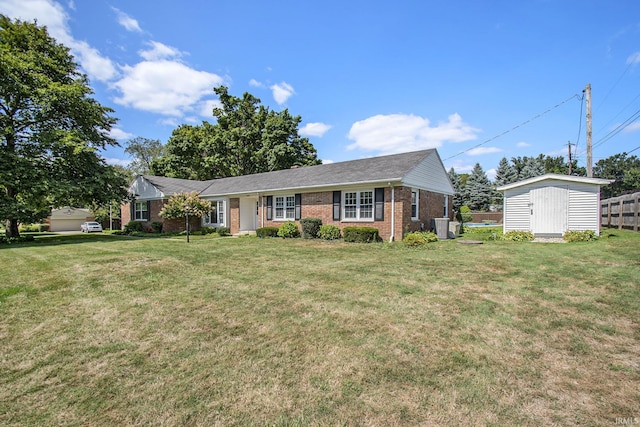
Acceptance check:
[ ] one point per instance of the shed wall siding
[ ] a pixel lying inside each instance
(430, 175)
(517, 214)
(584, 209)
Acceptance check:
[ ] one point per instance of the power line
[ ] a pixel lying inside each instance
(575, 150)
(515, 127)
(635, 116)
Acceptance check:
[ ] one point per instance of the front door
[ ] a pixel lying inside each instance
(549, 210)
(248, 216)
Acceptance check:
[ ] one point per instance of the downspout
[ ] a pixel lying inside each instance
(393, 212)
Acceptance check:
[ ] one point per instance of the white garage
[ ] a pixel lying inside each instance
(551, 204)
(68, 219)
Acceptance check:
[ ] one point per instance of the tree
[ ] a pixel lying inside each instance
(505, 174)
(51, 130)
(248, 138)
(179, 204)
(532, 167)
(478, 192)
(457, 196)
(624, 169)
(143, 151)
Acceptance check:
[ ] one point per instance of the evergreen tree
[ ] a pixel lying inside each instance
(532, 167)
(457, 196)
(505, 174)
(478, 191)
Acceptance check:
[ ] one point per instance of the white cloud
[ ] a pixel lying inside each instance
(119, 134)
(483, 150)
(255, 83)
(164, 87)
(71, 5)
(633, 127)
(54, 17)
(117, 162)
(126, 21)
(159, 51)
(395, 133)
(314, 129)
(327, 161)
(460, 167)
(523, 144)
(634, 58)
(170, 121)
(491, 174)
(207, 106)
(282, 92)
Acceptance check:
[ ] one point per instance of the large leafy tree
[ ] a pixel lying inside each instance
(478, 191)
(624, 169)
(143, 151)
(247, 138)
(51, 130)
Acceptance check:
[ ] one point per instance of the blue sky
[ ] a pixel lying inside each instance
(368, 77)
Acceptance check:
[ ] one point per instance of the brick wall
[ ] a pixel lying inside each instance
(168, 225)
(320, 205)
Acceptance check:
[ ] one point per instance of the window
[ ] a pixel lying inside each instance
(358, 205)
(216, 216)
(285, 207)
(415, 204)
(446, 206)
(140, 213)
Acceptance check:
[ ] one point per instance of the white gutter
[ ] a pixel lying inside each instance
(393, 212)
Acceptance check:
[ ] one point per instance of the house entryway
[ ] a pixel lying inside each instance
(248, 215)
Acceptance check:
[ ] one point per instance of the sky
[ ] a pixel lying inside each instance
(478, 80)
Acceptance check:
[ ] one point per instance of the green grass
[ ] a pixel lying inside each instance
(110, 330)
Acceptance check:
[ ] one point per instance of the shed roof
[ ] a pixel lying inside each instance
(555, 177)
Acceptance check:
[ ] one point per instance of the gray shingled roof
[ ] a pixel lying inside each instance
(170, 186)
(375, 169)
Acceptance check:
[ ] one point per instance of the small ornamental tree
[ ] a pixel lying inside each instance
(178, 205)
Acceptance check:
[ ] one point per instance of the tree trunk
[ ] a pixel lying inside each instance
(12, 228)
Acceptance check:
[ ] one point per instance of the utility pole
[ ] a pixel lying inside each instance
(589, 142)
(570, 159)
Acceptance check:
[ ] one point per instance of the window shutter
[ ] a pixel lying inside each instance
(132, 209)
(298, 198)
(379, 205)
(269, 208)
(147, 214)
(337, 196)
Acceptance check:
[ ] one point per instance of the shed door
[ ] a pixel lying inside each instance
(549, 210)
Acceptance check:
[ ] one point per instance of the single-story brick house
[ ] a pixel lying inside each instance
(396, 194)
(551, 204)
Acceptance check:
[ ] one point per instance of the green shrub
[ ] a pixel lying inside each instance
(419, 238)
(43, 227)
(132, 227)
(360, 234)
(310, 227)
(465, 214)
(267, 232)
(288, 230)
(580, 236)
(207, 230)
(223, 231)
(329, 232)
(4, 240)
(518, 236)
(156, 227)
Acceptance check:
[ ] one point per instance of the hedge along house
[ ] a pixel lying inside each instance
(551, 204)
(396, 194)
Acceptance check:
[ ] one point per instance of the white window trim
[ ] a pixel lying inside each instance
(446, 206)
(220, 211)
(284, 216)
(417, 216)
(358, 197)
(136, 211)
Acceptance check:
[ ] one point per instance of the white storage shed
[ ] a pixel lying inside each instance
(551, 204)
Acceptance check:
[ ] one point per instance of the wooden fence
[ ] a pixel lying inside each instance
(620, 212)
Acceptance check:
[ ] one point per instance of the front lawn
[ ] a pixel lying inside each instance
(111, 330)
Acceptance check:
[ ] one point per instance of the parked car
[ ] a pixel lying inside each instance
(88, 227)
